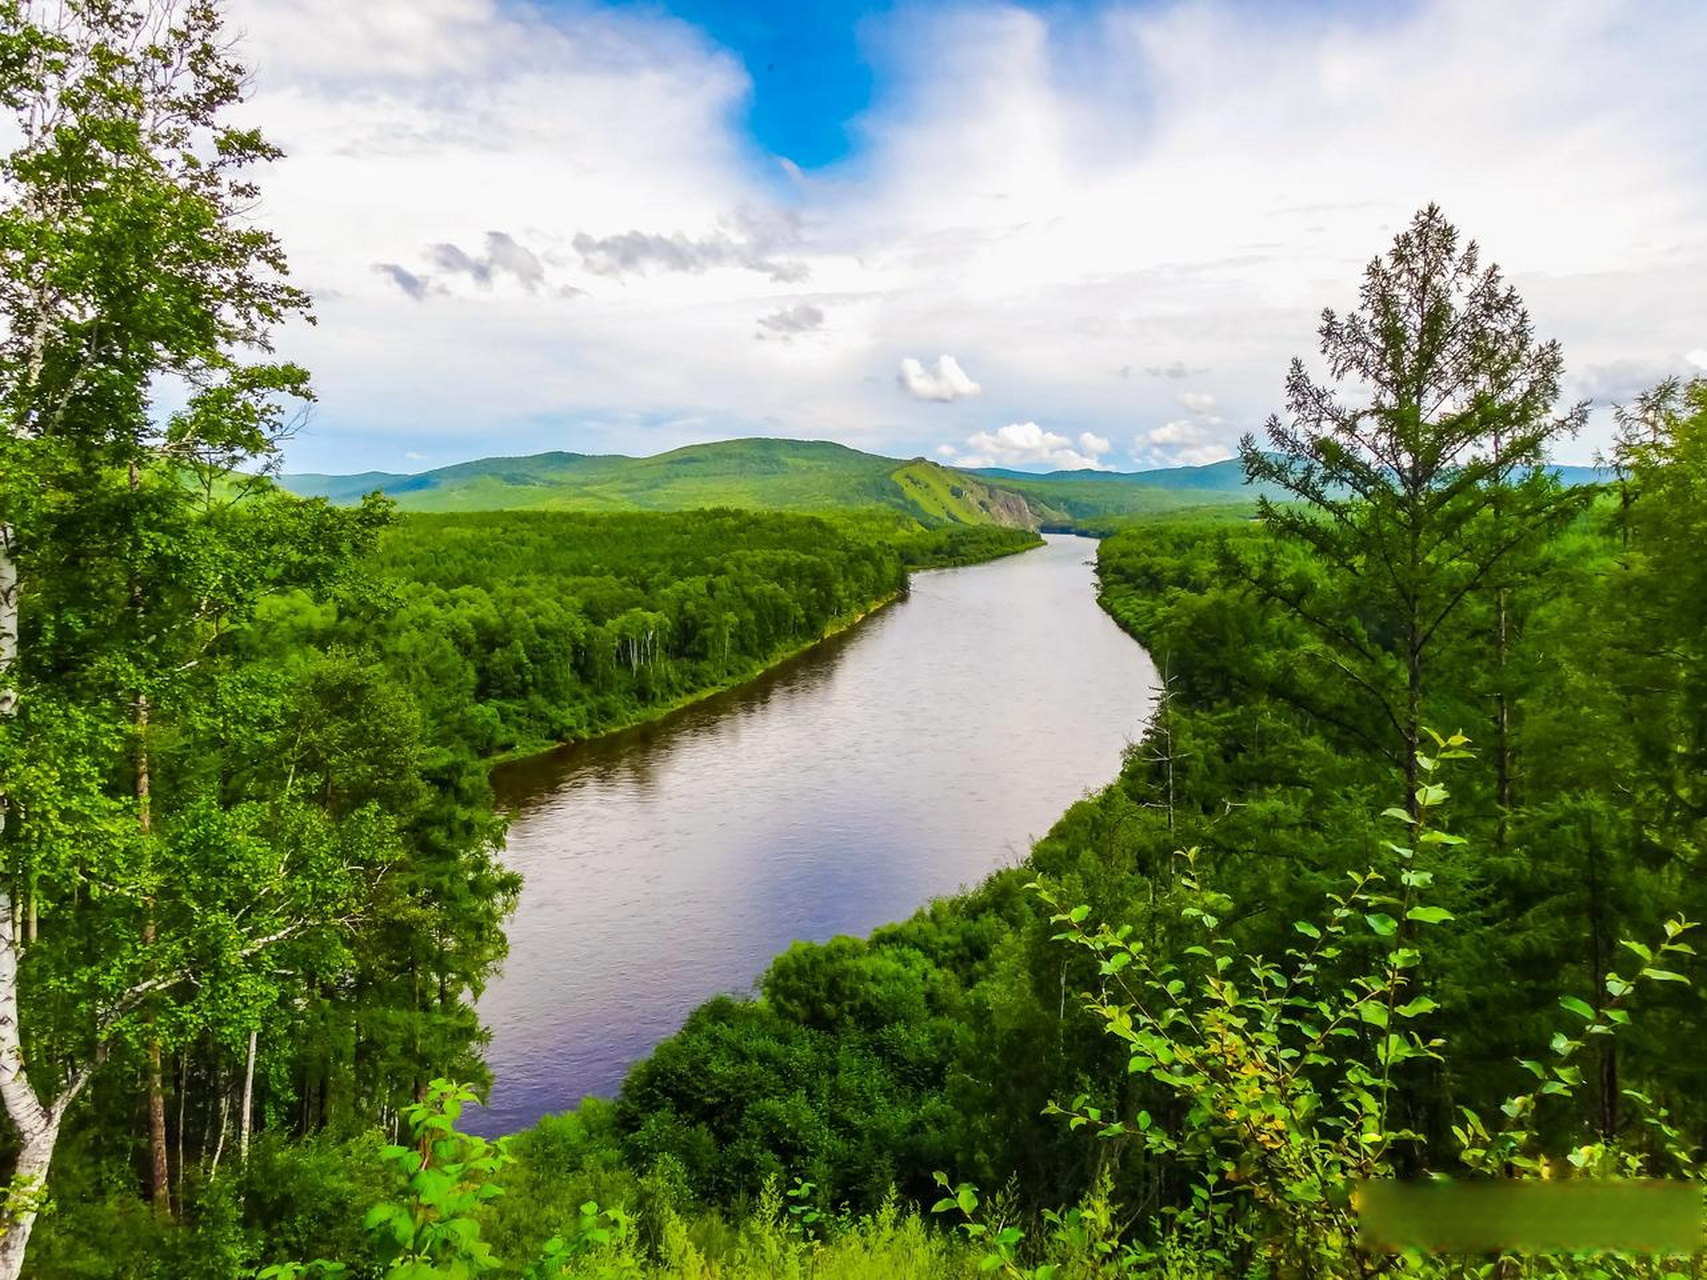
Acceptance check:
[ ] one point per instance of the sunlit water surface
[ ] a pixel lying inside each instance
(895, 763)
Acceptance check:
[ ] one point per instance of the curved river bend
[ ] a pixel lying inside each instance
(892, 764)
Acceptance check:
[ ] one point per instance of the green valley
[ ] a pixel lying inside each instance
(783, 475)
(791, 475)
(1130, 901)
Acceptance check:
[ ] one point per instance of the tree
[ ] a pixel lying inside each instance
(136, 300)
(1416, 469)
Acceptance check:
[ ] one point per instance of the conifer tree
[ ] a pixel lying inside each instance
(1414, 470)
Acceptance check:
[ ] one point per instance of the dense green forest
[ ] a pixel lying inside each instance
(1402, 879)
(517, 630)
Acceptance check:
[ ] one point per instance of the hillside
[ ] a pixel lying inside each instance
(809, 475)
(788, 475)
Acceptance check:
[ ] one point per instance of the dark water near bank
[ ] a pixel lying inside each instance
(892, 764)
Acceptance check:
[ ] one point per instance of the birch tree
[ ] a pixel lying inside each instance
(136, 378)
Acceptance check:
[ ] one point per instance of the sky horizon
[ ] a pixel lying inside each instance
(1042, 235)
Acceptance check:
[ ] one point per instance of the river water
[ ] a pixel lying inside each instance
(892, 764)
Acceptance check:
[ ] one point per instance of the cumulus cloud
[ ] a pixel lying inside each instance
(944, 382)
(1698, 358)
(802, 317)
(1191, 441)
(1184, 442)
(1025, 444)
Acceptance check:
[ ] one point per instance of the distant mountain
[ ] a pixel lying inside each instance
(1095, 495)
(1224, 476)
(1571, 477)
(807, 475)
(1092, 495)
(792, 475)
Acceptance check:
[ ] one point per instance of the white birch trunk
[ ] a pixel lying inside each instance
(248, 1104)
(37, 1125)
(29, 1180)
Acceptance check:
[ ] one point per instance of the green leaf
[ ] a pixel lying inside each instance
(1429, 915)
(1307, 929)
(1581, 1008)
(1664, 975)
(1382, 924)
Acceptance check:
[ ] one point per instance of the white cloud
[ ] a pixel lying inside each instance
(1162, 190)
(1202, 437)
(1025, 444)
(947, 381)
(1698, 358)
(1181, 443)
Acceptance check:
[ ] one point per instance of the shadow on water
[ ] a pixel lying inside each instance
(523, 785)
(892, 764)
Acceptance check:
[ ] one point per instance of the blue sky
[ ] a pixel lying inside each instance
(1073, 234)
(810, 76)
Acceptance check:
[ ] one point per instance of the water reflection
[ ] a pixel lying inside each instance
(890, 765)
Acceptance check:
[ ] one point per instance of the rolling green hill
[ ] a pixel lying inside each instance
(1095, 495)
(787, 475)
(810, 475)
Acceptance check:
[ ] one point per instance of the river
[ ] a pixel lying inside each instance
(891, 764)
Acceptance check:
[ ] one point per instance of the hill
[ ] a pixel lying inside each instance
(787, 475)
(811, 475)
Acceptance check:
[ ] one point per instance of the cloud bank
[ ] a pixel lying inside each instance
(1095, 209)
(1025, 444)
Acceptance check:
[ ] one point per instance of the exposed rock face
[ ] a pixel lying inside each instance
(1005, 507)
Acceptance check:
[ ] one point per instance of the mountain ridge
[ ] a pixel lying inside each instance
(803, 475)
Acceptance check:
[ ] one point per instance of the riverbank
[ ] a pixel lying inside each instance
(902, 761)
(655, 714)
(664, 710)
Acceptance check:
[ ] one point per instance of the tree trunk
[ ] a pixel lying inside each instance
(248, 1104)
(224, 1127)
(159, 1167)
(1502, 720)
(1607, 1119)
(1413, 720)
(37, 1126)
(8, 627)
(29, 1181)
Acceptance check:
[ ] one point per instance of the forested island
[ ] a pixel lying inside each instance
(1402, 879)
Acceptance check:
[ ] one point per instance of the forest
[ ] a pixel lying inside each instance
(1401, 881)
